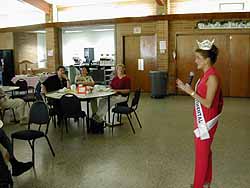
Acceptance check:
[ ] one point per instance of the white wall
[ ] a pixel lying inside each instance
(74, 44)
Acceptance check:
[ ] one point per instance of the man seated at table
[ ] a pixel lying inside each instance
(121, 84)
(56, 82)
(17, 167)
(17, 104)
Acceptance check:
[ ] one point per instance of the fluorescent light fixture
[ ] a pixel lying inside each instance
(38, 31)
(231, 6)
(73, 31)
(99, 30)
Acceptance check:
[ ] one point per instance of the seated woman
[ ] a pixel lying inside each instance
(86, 80)
(121, 84)
(17, 104)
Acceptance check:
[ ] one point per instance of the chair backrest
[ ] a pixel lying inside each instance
(38, 91)
(136, 98)
(125, 103)
(23, 86)
(39, 113)
(70, 105)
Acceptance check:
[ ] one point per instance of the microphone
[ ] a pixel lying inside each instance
(190, 79)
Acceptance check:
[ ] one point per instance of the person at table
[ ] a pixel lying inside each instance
(84, 78)
(121, 84)
(56, 82)
(17, 167)
(17, 104)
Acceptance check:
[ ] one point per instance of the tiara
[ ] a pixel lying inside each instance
(205, 44)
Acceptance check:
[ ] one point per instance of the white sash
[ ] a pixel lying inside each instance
(203, 126)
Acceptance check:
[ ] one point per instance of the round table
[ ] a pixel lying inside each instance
(84, 97)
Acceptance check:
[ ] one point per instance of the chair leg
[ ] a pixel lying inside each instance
(12, 145)
(54, 120)
(131, 124)
(1, 115)
(137, 119)
(33, 151)
(14, 114)
(62, 124)
(113, 119)
(50, 146)
(83, 126)
(66, 125)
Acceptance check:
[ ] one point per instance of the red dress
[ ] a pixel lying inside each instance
(203, 153)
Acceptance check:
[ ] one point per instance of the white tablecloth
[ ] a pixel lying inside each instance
(31, 80)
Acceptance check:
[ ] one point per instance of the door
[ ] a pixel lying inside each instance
(7, 66)
(186, 46)
(140, 47)
(239, 65)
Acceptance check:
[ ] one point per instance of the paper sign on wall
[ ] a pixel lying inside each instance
(137, 30)
(50, 53)
(141, 64)
(162, 46)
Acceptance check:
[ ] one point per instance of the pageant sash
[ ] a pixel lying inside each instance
(202, 131)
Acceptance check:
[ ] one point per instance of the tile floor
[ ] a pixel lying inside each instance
(160, 155)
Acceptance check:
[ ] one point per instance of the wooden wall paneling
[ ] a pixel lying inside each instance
(131, 54)
(239, 61)
(222, 64)
(185, 59)
(140, 47)
(148, 52)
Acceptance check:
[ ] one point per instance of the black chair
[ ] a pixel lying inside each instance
(30, 96)
(71, 108)
(125, 103)
(23, 89)
(39, 114)
(38, 96)
(128, 110)
(2, 113)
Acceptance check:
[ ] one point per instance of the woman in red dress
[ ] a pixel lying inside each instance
(208, 106)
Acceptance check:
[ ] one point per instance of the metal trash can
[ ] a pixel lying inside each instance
(158, 83)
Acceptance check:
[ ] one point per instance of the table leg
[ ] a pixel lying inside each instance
(109, 109)
(88, 119)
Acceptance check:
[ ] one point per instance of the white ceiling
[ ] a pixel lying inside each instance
(15, 6)
(65, 3)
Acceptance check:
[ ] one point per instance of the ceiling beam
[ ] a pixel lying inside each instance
(40, 4)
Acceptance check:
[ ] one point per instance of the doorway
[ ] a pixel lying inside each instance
(144, 48)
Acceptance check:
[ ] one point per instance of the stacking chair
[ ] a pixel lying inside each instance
(128, 110)
(2, 113)
(39, 115)
(125, 103)
(23, 89)
(71, 108)
(30, 96)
